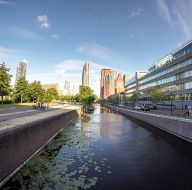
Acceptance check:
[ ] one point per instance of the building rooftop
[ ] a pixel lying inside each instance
(170, 57)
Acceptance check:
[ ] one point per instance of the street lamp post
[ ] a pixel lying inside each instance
(182, 101)
(171, 103)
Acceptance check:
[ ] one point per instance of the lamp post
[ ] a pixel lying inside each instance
(171, 103)
(182, 101)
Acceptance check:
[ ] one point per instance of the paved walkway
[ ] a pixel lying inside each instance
(159, 112)
(18, 112)
(15, 109)
(16, 122)
(189, 120)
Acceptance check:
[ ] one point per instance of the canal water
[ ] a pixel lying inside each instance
(110, 152)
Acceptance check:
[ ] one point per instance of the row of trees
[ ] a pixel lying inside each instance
(5, 80)
(85, 96)
(155, 96)
(32, 92)
(23, 91)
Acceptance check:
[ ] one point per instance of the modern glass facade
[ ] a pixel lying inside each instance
(172, 74)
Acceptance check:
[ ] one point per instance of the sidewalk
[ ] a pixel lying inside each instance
(160, 112)
(23, 112)
(15, 109)
(16, 112)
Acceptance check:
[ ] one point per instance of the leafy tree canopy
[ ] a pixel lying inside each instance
(156, 95)
(50, 95)
(21, 90)
(5, 80)
(86, 95)
(35, 91)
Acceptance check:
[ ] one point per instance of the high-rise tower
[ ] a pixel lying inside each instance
(119, 87)
(107, 87)
(21, 70)
(69, 88)
(85, 75)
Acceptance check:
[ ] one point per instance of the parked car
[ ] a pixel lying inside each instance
(145, 107)
(137, 107)
(121, 105)
(153, 107)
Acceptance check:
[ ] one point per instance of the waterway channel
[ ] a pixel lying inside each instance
(110, 152)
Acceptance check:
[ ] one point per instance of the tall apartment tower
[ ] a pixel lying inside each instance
(125, 78)
(107, 83)
(21, 70)
(119, 86)
(69, 88)
(85, 75)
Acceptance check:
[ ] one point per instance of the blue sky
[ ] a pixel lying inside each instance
(57, 36)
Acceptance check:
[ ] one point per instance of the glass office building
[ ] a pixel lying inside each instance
(172, 75)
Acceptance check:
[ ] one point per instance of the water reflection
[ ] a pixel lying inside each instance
(109, 152)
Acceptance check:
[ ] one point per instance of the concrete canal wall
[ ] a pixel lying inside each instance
(20, 140)
(179, 127)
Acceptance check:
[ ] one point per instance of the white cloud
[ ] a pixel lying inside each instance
(24, 32)
(5, 3)
(54, 36)
(18, 31)
(178, 16)
(164, 10)
(135, 13)
(98, 51)
(11, 57)
(8, 55)
(183, 14)
(72, 70)
(43, 21)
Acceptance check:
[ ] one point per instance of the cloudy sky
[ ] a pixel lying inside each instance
(57, 36)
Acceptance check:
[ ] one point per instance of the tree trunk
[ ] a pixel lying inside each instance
(21, 99)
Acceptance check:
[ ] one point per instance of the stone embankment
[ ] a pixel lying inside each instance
(22, 138)
(179, 127)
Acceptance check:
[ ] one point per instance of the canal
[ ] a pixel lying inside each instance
(110, 152)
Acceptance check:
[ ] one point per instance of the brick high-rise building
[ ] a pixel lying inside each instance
(107, 83)
(119, 86)
(21, 70)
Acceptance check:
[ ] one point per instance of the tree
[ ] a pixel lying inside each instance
(125, 98)
(35, 91)
(156, 95)
(90, 99)
(50, 95)
(133, 98)
(77, 98)
(85, 95)
(5, 80)
(48, 98)
(21, 90)
(53, 92)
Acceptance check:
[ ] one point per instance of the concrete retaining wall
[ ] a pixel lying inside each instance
(179, 127)
(21, 143)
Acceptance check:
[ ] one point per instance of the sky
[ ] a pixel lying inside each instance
(57, 37)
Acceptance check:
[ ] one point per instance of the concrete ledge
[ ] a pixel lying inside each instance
(19, 142)
(179, 127)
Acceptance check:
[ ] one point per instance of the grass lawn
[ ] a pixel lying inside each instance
(15, 105)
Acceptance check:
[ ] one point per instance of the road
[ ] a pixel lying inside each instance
(17, 112)
(13, 115)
